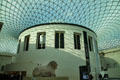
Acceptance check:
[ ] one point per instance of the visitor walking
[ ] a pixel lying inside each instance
(90, 77)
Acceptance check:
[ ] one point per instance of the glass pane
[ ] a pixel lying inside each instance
(78, 41)
(38, 43)
(61, 40)
(75, 41)
(56, 40)
(26, 43)
(90, 43)
(41, 40)
(19, 46)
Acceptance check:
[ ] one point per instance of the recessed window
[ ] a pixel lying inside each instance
(26, 42)
(77, 41)
(1, 24)
(59, 39)
(96, 45)
(2, 68)
(41, 39)
(90, 41)
(19, 46)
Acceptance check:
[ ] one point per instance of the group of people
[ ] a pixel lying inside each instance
(87, 77)
(11, 77)
(90, 77)
(105, 77)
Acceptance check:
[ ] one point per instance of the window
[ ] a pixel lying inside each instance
(2, 68)
(96, 45)
(90, 41)
(41, 38)
(77, 41)
(19, 46)
(1, 24)
(26, 42)
(59, 39)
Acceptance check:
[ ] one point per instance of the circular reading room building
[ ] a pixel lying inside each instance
(72, 47)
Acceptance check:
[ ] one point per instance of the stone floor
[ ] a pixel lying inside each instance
(46, 78)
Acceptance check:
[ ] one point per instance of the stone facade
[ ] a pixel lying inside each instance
(68, 59)
(110, 62)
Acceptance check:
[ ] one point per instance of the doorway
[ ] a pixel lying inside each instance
(84, 73)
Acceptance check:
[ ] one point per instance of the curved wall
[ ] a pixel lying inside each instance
(110, 60)
(68, 59)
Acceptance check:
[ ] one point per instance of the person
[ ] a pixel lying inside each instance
(90, 77)
(100, 77)
(106, 77)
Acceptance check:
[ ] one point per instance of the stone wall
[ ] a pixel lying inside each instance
(110, 60)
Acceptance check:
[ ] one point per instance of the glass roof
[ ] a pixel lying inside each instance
(102, 16)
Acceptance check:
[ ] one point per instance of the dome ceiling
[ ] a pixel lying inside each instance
(102, 16)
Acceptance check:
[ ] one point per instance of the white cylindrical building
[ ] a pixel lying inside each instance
(72, 47)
